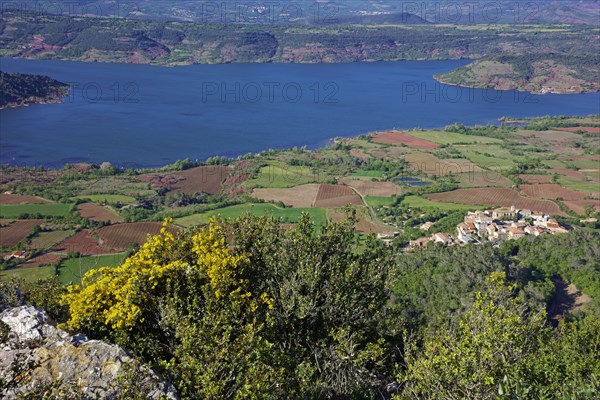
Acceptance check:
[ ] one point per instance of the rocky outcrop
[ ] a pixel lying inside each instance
(36, 356)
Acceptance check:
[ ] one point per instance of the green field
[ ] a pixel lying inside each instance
(280, 175)
(420, 202)
(46, 210)
(555, 164)
(379, 201)
(289, 215)
(106, 198)
(501, 159)
(71, 270)
(29, 274)
(576, 184)
(369, 174)
(45, 240)
(585, 164)
(442, 137)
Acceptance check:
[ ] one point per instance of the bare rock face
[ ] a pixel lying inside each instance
(36, 356)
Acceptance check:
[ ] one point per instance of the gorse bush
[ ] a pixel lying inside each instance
(248, 309)
(280, 313)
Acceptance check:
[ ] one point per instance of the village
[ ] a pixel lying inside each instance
(495, 226)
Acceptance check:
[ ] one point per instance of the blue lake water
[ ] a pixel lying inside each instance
(142, 116)
(413, 182)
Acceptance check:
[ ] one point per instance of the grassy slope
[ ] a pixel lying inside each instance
(70, 270)
(50, 210)
(289, 215)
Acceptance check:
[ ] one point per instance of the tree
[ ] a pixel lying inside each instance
(468, 358)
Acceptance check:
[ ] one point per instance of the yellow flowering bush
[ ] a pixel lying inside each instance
(116, 297)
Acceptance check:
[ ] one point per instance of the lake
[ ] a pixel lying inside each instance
(146, 116)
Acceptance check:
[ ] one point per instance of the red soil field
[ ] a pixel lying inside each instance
(551, 192)
(567, 172)
(587, 129)
(535, 179)
(395, 137)
(44, 259)
(331, 196)
(119, 237)
(96, 212)
(579, 206)
(82, 242)
(492, 197)
(18, 230)
(369, 188)
(18, 199)
(206, 179)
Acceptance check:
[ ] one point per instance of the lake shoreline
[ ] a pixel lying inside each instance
(122, 113)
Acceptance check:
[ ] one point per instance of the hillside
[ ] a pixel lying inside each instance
(537, 73)
(182, 43)
(22, 89)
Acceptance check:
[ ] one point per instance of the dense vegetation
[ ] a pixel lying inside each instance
(20, 89)
(246, 309)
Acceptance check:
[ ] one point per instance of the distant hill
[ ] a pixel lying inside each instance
(22, 89)
(381, 19)
(327, 11)
(534, 73)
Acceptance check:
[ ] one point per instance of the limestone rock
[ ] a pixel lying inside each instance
(51, 358)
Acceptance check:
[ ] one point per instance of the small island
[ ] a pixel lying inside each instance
(23, 89)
